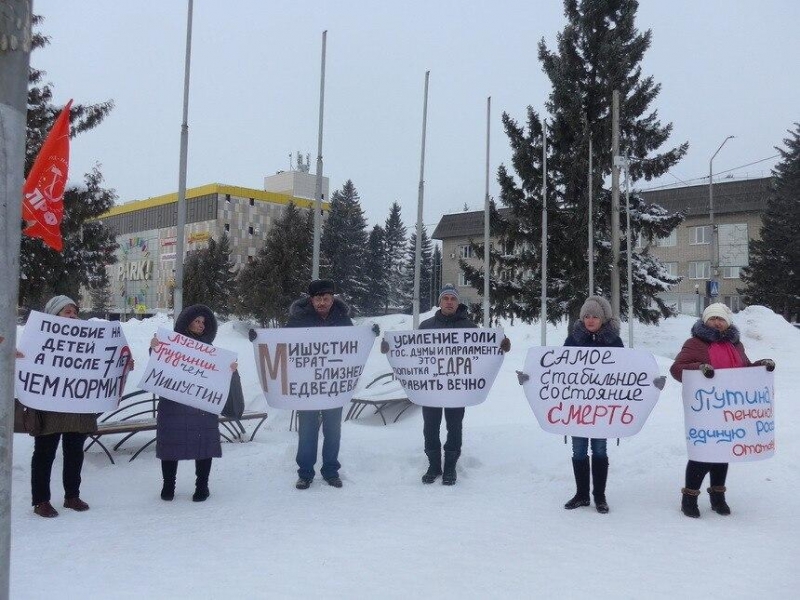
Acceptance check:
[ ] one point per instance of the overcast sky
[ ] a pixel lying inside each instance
(726, 67)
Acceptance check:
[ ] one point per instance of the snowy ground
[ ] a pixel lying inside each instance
(501, 532)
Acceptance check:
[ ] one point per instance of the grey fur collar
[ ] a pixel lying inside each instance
(709, 334)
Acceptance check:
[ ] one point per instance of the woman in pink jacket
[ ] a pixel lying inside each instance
(714, 345)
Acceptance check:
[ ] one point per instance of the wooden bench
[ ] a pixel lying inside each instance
(137, 412)
(381, 393)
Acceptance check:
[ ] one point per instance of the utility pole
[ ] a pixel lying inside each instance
(420, 196)
(15, 52)
(590, 245)
(615, 286)
(181, 224)
(714, 249)
(543, 307)
(487, 267)
(629, 247)
(318, 192)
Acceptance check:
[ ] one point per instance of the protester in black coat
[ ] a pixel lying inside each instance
(597, 328)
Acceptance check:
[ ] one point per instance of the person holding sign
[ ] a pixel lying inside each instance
(714, 345)
(319, 309)
(184, 432)
(597, 327)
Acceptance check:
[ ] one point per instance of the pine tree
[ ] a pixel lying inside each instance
(773, 276)
(425, 273)
(375, 298)
(436, 274)
(281, 270)
(222, 279)
(88, 245)
(195, 281)
(395, 246)
(599, 50)
(100, 296)
(344, 245)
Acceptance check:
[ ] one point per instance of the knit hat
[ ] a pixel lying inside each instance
(448, 288)
(718, 309)
(597, 306)
(57, 303)
(321, 286)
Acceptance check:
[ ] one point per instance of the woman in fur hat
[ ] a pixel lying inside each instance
(714, 345)
(597, 327)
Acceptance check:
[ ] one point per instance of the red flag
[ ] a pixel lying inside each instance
(43, 192)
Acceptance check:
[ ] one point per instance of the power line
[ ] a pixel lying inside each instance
(705, 177)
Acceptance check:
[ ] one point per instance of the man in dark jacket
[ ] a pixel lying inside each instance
(319, 309)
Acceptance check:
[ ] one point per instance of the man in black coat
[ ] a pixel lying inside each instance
(319, 309)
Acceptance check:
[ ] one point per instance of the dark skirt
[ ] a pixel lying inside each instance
(186, 433)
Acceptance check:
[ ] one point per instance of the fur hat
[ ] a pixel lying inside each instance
(321, 286)
(450, 289)
(57, 303)
(597, 306)
(718, 309)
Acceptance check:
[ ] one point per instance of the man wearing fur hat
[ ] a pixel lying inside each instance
(597, 327)
(714, 345)
(319, 309)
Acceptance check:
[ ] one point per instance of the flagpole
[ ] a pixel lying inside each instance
(543, 308)
(487, 246)
(420, 195)
(14, 61)
(181, 225)
(318, 191)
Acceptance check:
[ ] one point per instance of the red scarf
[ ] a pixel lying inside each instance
(724, 355)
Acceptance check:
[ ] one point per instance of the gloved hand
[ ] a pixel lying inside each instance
(522, 377)
(384, 346)
(707, 370)
(659, 382)
(251, 335)
(765, 362)
(376, 329)
(505, 345)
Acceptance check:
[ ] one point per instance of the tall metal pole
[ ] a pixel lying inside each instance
(181, 225)
(590, 245)
(15, 51)
(714, 249)
(420, 195)
(318, 192)
(543, 307)
(487, 267)
(615, 287)
(629, 245)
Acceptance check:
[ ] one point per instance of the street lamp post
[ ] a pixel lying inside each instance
(714, 250)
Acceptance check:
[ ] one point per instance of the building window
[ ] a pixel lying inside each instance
(228, 198)
(666, 242)
(730, 272)
(671, 268)
(252, 201)
(465, 251)
(701, 235)
(462, 280)
(733, 245)
(227, 226)
(700, 269)
(250, 230)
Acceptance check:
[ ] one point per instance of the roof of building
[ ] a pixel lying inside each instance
(463, 224)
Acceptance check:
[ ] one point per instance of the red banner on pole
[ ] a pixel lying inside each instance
(43, 192)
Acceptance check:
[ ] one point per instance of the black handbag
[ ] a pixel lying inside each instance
(234, 406)
(27, 420)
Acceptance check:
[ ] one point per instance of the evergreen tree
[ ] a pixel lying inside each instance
(281, 270)
(195, 282)
(344, 244)
(395, 248)
(425, 273)
(100, 296)
(88, 245)
(773, 276)
(436, 274)
(375, 300)
(599, 50)
(222, 279)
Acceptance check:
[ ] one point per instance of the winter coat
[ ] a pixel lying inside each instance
(302, 314)
(695, 350)
(606, 336)
(184, 432)
(458, 320)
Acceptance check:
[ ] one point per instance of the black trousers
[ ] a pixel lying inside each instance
(432, 422)
(44, 453)
(696, 472)
(202, 468)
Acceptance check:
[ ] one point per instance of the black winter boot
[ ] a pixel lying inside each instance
(580, 468)
(202, 469)
(599, 477)
(434, 466)
(718, 504)
(449, 473)
(689, 503)
(169, 469)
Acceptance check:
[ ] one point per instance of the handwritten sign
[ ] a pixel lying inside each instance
(189, 372)
(446, 367)
(70, 365)
(591, 392)
(311, 368)
(730, 417)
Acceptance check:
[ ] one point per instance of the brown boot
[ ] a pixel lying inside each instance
(75, 504)
(45, 509)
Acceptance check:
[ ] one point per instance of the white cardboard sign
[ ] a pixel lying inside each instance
(70, 365)
(189, 372)
(591, 392)
(730, 417)
(446, 367)
(311, 368)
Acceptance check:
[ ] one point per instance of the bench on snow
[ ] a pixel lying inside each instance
(137, 412)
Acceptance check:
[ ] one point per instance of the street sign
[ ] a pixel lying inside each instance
(712, 288)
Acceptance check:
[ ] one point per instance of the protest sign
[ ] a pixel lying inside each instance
(189, 372)
(446, 367)
(311, 368)
(591, 392)
(730, 417)
(70, 365)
